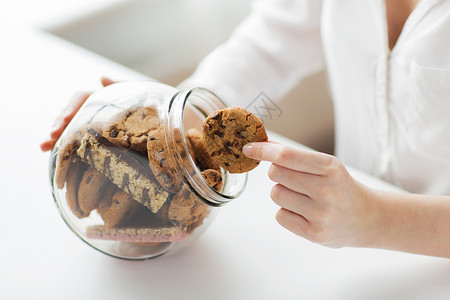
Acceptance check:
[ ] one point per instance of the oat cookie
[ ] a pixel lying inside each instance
(137, 234)
(226, 132)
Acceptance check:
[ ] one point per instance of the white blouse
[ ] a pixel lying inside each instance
(392, 108)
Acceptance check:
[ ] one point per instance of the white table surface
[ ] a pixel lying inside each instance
(245, 254)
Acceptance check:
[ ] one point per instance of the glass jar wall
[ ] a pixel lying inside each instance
(130, 174)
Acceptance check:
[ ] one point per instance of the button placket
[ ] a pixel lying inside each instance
(382, 93)
(382, 110)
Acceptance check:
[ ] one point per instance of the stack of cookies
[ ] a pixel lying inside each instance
(122, 170)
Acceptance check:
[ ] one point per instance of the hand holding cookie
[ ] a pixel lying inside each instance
(319, 199)
(226, 132)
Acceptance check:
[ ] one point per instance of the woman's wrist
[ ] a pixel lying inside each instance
(409, 223)
(370, 218)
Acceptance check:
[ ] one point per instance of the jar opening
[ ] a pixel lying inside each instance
(188, 109)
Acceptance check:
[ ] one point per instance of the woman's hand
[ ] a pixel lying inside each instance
(66, 115)
(319, 200)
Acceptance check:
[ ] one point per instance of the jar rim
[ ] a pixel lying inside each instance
(205, 102)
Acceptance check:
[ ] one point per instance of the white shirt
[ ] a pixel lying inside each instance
(392, 108)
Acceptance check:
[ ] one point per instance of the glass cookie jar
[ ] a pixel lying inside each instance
(130, 175)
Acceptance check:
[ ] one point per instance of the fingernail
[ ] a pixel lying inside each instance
(247, 149)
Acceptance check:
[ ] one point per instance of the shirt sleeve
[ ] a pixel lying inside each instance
(276, 46)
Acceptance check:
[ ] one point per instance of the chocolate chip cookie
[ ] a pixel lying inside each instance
(67, 154)
(226, 132)
(202, 158)
(160, 162)
(213, 178)
(65, 157)
(90, 190)
(129, 129)
(186, 209)
(116, 207)
(74, 176)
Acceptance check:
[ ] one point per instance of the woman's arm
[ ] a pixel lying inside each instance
(413, 223)
(321, 202)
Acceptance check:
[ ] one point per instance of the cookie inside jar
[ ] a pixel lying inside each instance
(121, 173)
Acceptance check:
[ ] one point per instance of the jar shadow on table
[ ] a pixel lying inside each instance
(195, 271)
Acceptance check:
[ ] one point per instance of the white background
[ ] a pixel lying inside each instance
(245, 254)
